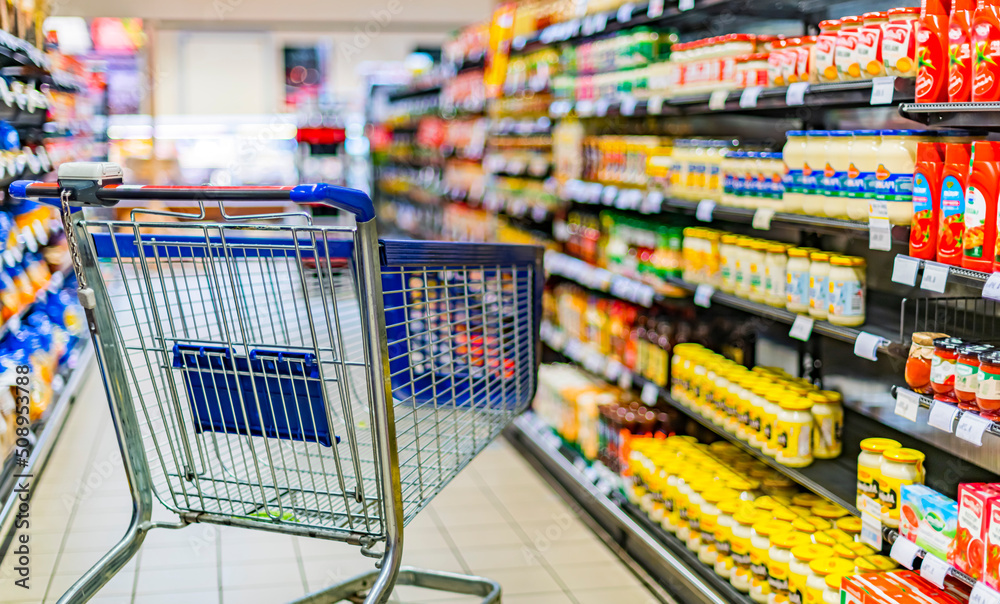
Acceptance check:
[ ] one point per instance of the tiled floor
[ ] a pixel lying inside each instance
(497, 519)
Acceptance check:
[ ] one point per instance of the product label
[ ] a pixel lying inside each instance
(867, 484)
(973, 237)
(774, 282)
(959, 64)
(858, 184)
(952, 216)
(777, 577)
(888, 492)
(932, 68)
(825, 48)
(827, 434)
(794, 440)
(986, 72)
(847, 299)
(941, 370)
(988, 385)
(817, 292)
(892, 187)
(846, 54)
(792, 181)
(797, 292)
(811, 181)
(923, 212)
(898, 48)
(966, 378)
(869, 51)
(833, 181)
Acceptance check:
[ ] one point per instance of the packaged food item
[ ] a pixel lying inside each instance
(813, 197)
(795, 433)
(798, 569)
(926, 200)
(932, 53)
(967, 374)
(779, 563)
(869, 51)
(775, 274)
(742, 545)
(929, 519)
(797, 280)
(899, 42)
(828, 424)
(892, 588)
(894, 175)
(846, 56)
(969, 554)
(960, 51)
(979, 237)
(985, 30)
(819, 570)
(724, 536)
(951, 229)
(863, 151)
(760, 546)
(846, 292)
(794, 157)
(835, 174)
(988, 385)
(899, 467)
(825, 53)
(819, 274)
(943, 367)
(870, 467)
(991, 571)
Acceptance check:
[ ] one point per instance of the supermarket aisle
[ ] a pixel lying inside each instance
(497, 519)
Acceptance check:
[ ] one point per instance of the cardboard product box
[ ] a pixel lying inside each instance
(898, 587)
(929, 519)
(991, 573)
(969, 553)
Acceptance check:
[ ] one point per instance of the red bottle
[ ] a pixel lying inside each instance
(952, 217)
(926, 200)
(980, 230)
(985, 30)
(932, 52)
(960, 51)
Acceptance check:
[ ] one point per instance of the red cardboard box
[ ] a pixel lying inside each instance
(898, 587)
(969, 555)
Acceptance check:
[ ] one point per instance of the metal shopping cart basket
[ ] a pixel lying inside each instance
(302, 379)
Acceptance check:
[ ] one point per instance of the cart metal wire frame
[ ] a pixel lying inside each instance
(302, 379)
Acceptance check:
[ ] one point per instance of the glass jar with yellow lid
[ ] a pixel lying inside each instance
(800, 511)
(760, 547)
(847, 291)
(832, 537)
(746, 488)
(819, 279)
(775, 274)
(769, 420)
(802, 525)
(758, 260)
(870, 467)
(798, 568)
(741, 547)
(710, 272)
(819, 570)
(724, 535)
(807, 500)
(828, 421)
(728, 252)
(743, 252)
(794, 427)
(852, 550)
(829, 511)
(797, 279)
(874, 564)
(709, 521)
(779, 486)
(832, 591)
(755, 406)
(821, 524)
(899, 467)
(688, 501)
(850, 525)
(779, 561)
(784, 513)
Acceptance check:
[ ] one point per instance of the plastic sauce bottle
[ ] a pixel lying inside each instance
(926, 200)
(932, 53)
(986, 52)
(960, 51)
(979, 238)
(953, 181)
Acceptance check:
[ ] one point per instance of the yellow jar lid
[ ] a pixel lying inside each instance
(811, 551)
(731, 507)
(711, 234)
(819, 257)
(835, 581)
(847, 261)
(770, 526)
(804, 526)
(789, 539)
(877, 563)
(749, 516)
(730, 238)
(879, 445)
(766, 502)
(833, 395)
(831, 566)
(852, 549)
(716, 495)
(800, 511)
(807, 500)
(760, 244)
(799, 252)
(783, 513)
(821, 524)
(832, 537)
(829, 511)
(817, 397)
(777, 248)
(742, 484)
(904, 455)
(796, 404)
(850, 524)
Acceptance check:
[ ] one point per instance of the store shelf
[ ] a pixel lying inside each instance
(925, 402)
(956, 274)
(79, 366)
(770, 101)
(890, 535)
(660, 554)
(831, 479)
(975, 116)
(413, 93)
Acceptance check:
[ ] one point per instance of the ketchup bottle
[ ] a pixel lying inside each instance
(926, 200)
(953, 181)
(985, 31)
(980, 230)
(932, 52)
(960, 51)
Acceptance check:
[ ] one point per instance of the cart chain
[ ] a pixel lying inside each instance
(86, 295)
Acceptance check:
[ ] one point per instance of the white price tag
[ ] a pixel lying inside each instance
(628, 104)
(703, 295)
(644, 295)
(705, 209)
(981, 594)
(653, 203)
(796, 94)
(802, 328)
(655, 9)
(601, 107)
(612, 370)
(14, 324)
(934, 569)
(904, 270)
(625, 380)
(649, 393)
(942, 416)
(904, 551)
(878, 209)
(625, 12)
(717, 100)
(594, 192)
(992, 288)
(882, 89)
(907, 404)
(871, 530)
(935, 277)
(870, 506)
(748, 99)
(971, 428)
(608, 195)
(866, 346)
(593, 362)
(762, 219)
(654, 106)
(685, 5)
(879, 234)
(585, 108)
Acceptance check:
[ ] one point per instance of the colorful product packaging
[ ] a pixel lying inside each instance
(929, 519)
(992, 532)
(898, 587)
(969, 554)
(932, 53)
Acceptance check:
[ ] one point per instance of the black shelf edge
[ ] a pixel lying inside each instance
(659, 554)
(975, 116)
(414, 92)
(926, 402)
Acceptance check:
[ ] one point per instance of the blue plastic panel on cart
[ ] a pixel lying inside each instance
(286, 385)
(124, 245)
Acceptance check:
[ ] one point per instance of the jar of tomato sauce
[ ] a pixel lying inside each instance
(988, 388)
(918, 363)
(943, 366)
(967, 374)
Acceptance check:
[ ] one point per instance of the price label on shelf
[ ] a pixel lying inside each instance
(612, 370)
(601, 107)
(802, 328)
(971, 428)
(870, 506)
(748, 99)
(907, 404)
(705, 209)
(703, 295)
(654, 106)
(879, 234)
(649, 393)
(608, 195)
(625, 379)
(655, 10)
(625, 11)
(935, 277)
(644, 295)
(871, 530)
(942, 416)
(628, 104)
(866, 346)
(934, 569)
(796, 94)
(595, 189)
(585, 108)
(717, 100)
(992, 288)
(653, 203)
(904, 551)
(685, 5)
(882, 89)
(904, 270)
(762, 219)
(981, 594)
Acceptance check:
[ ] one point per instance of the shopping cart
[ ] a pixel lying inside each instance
(307, 380)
